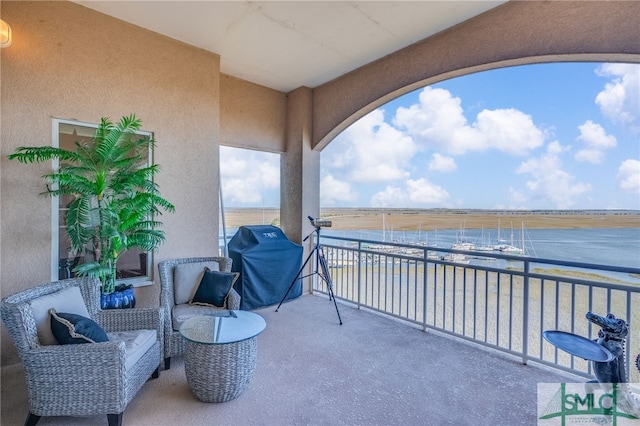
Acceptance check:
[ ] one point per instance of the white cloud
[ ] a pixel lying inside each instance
(517, 197)
(629, 176)
(390, 196)
(418, 192)
(377, 152)
(590, 156)
(619, 101)
(246, 174)
(332, 190)
(596, 140)
(441, 163)
(423, 192)
(549, 182)
(438, 122)
(509, 130)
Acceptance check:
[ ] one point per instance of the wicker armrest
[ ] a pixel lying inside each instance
(130, 319)
(233, 301)
(62, 361)
(68, 374)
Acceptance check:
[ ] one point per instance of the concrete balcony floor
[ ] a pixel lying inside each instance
(371, 370)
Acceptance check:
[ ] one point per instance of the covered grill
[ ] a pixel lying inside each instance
(267, 262)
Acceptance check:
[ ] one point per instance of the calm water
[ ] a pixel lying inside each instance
(606, 246)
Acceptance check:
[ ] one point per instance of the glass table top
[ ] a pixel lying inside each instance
(223, 327)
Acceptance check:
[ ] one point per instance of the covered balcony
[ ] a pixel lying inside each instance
(424, 339)
(248, 75)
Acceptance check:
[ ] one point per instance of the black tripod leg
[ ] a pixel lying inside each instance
(327, 278)
(296, 278)
(334, 303)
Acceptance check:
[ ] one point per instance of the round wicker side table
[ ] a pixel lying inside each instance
(220, 353)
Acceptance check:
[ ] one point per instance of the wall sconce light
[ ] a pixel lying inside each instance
(5, 34)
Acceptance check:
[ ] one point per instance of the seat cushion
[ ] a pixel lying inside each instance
(181, 313)
(68, 300)
(187, 277)
(137, 343)
(214, 288)
(74, 329)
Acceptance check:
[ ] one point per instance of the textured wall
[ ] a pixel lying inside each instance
(241, 103)
(69, 62)
(518, 32)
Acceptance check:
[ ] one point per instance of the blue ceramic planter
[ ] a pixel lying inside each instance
(123, 297)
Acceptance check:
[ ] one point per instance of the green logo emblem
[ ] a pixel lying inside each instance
(594, 403)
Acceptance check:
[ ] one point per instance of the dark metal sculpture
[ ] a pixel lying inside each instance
(606, 354)
(612, 335)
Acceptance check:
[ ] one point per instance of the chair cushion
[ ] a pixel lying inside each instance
(214, 288)
(73, 328)
(187, 277)
(137, 343)
(181, 313)
(68, 300)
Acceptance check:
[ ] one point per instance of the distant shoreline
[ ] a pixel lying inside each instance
(431, 219)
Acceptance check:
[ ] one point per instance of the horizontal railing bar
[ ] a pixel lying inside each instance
(584, 282)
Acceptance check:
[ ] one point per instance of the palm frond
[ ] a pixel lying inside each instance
(38, 154)
(79, 223)
(161, 202)
(70, 183)
(146, 239)
(95, 269)
(113, 145)
(91, 269)
(147, 224)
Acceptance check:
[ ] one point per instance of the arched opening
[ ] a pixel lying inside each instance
(543, 136)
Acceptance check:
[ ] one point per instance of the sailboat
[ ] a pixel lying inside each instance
(462, 243)
(485, 246)
(511, 248)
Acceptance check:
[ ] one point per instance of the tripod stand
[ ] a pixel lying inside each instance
(324, 274)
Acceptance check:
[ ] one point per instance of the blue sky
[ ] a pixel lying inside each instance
(548, 136)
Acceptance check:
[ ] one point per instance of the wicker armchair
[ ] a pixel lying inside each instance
(174, 344)
(110, 376)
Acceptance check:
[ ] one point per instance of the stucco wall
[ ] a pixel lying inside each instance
(69, 62)
(243, 103)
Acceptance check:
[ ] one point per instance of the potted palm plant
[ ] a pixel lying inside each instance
(114, 197)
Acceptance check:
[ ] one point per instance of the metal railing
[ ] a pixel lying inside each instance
(501, 301)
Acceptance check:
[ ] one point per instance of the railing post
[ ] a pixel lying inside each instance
(359, 273)
(425, 274)
(525, 313)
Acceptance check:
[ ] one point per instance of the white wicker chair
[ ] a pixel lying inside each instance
(174, 344)
(53, 371)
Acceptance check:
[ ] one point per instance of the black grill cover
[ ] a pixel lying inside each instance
(267, 262)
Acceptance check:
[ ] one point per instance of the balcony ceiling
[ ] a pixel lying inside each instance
(288, 44)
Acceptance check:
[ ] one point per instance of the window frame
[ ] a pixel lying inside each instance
(56, 226)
